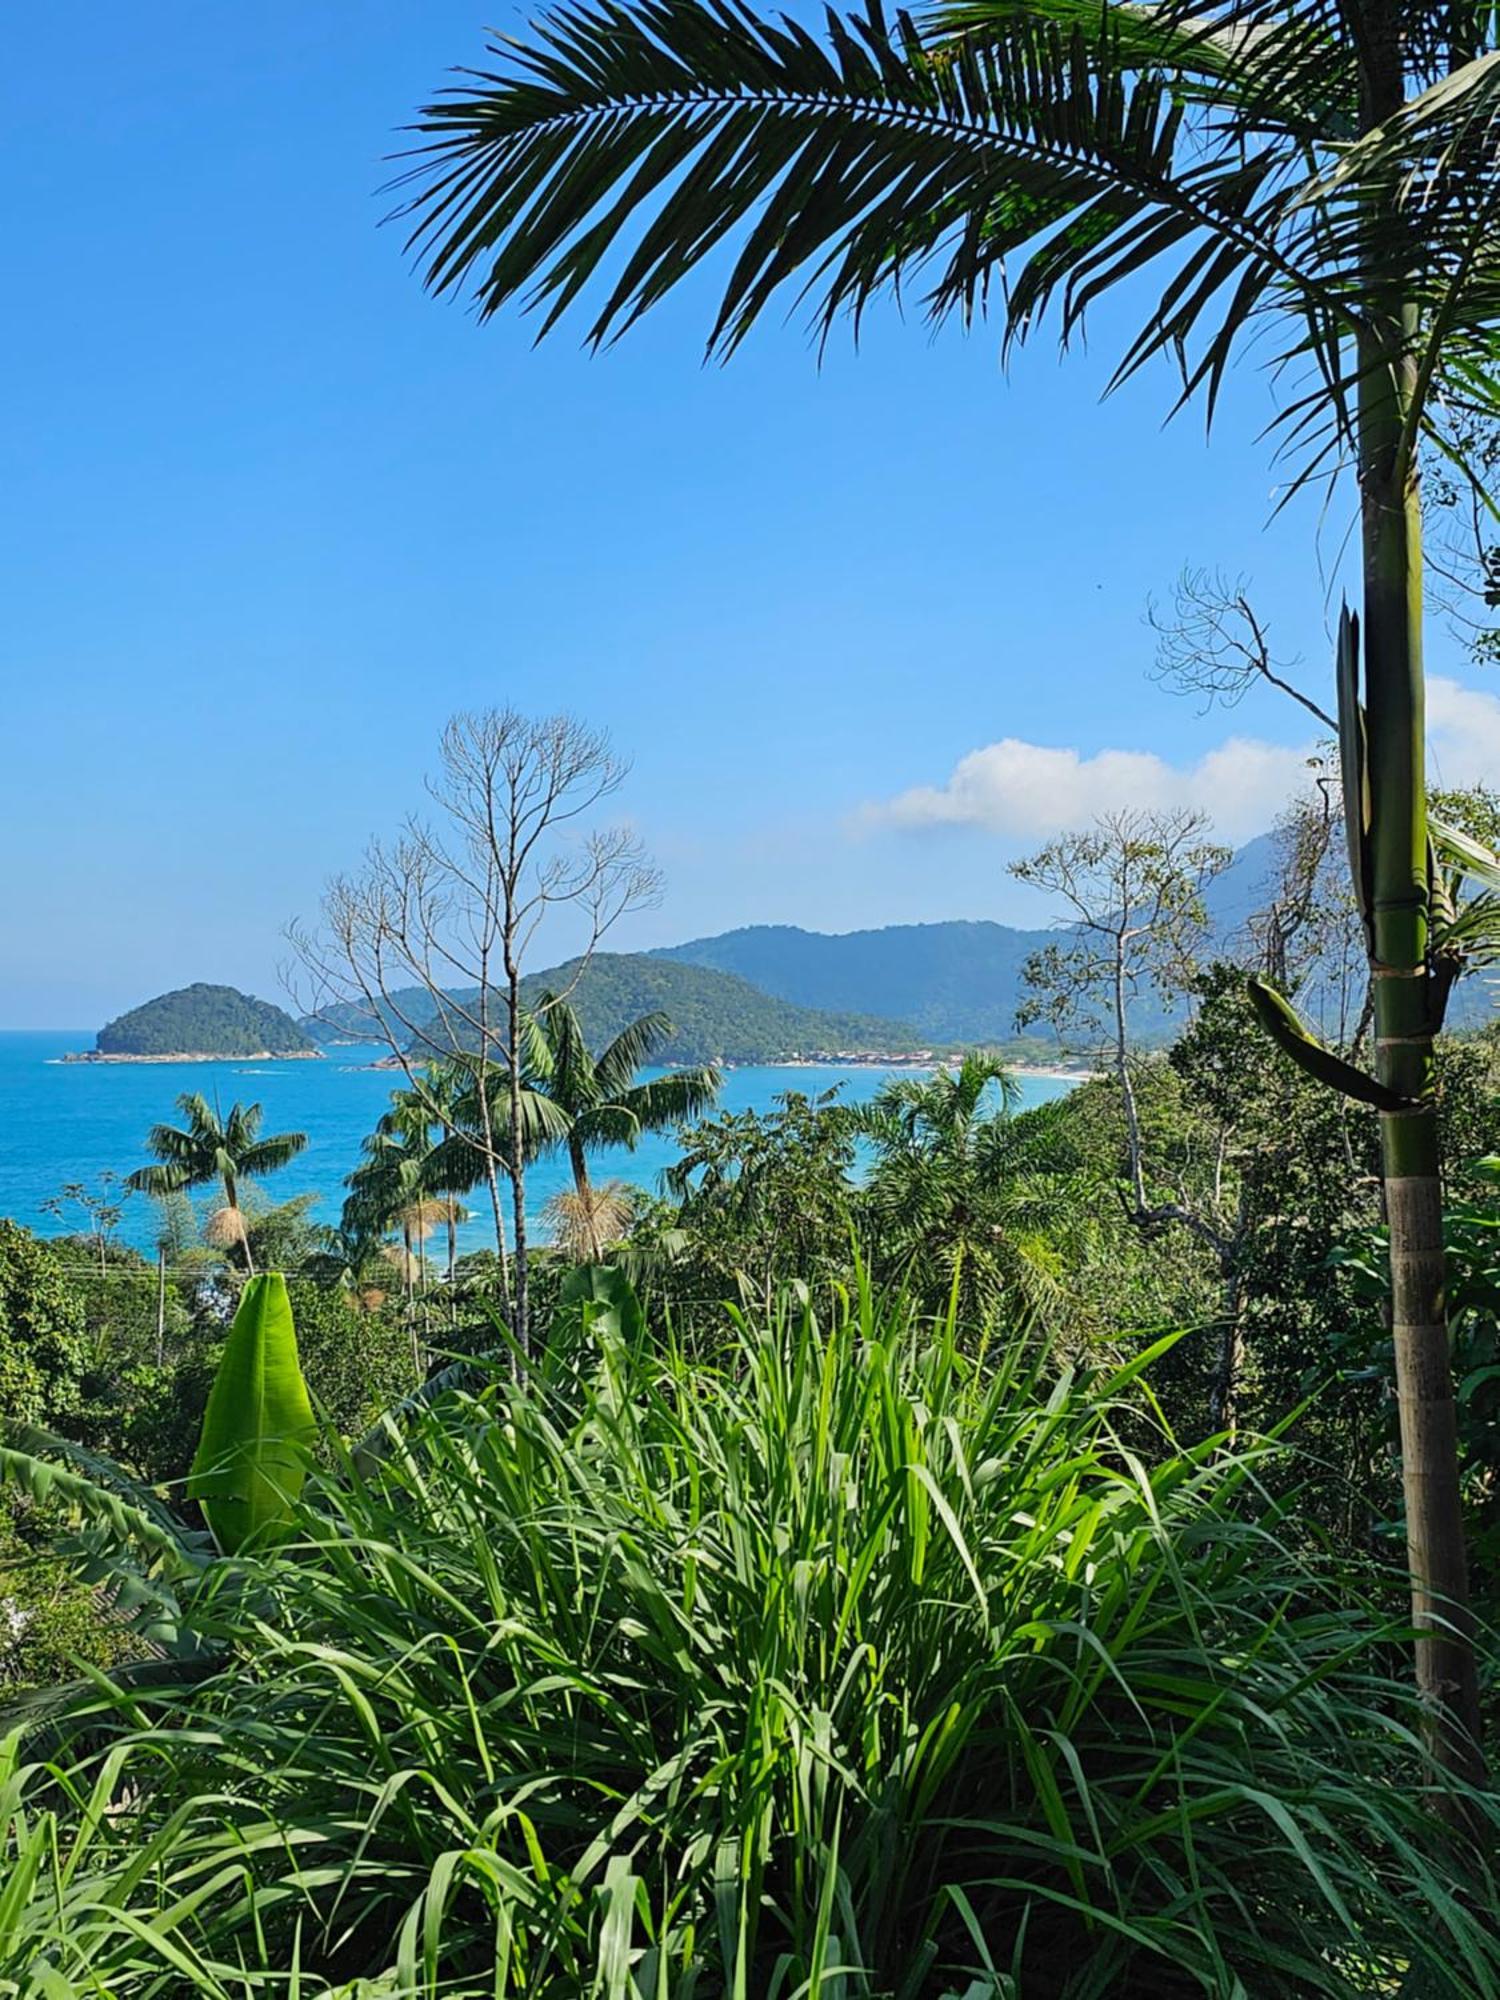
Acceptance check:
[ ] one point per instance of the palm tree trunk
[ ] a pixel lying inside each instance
(161, 1303)
(1404, 1030)
(578, 1160)
(232, 1196)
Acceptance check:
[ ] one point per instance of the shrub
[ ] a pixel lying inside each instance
(43, 1347)
(846, 1666)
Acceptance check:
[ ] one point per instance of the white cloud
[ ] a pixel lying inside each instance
(1028, 790)
(1463, 734)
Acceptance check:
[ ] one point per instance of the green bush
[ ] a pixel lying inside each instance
(847, 1666)
(357, 1361)
(43, 1339)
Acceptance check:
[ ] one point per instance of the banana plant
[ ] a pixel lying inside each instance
(250, 1467)
(258, 1429)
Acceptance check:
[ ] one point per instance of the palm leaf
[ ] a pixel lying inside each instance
(845, 165)
(654, 1106)
(1043, 151)
(567, 1071)
(630, 1051)
(266, 1155)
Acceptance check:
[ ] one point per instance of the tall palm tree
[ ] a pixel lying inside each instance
(477, 1145)
(601, 1102)
(209, 1148)
(1328, 165)
(946, 1193)
(390, 1189)
(437, 1100)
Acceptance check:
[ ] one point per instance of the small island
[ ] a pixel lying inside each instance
(200, 1023)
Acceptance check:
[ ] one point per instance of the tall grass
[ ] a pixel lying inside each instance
(845, 1666)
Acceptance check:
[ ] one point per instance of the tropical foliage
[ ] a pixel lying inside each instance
(209, 1148)
(825, 1655)
(1324, 182)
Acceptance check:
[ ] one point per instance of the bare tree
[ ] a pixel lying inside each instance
(1133, 884)
(431, 938)
(1307, 937)
(1211, 642)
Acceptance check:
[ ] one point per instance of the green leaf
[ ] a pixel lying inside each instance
(607, 1296)
(1354, 765)
(258, 1427)
(1470, 857)
(1286, 1028)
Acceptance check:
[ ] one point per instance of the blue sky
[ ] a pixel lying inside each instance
(269, 514)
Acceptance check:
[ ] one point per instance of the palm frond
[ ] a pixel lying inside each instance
(630, 1051)
(159, 1180)
(1038, 151)
(567, 1071)
(844, 166)
(584, 1222)
(654, 1106)
(266, 1155)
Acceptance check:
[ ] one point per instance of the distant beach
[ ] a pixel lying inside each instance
(255, 1056)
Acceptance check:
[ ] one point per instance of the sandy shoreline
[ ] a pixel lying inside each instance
(186, 1056)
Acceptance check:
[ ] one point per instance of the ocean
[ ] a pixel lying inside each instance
(62, 1122)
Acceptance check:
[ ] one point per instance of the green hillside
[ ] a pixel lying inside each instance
(203, 1020)
(719, 1017)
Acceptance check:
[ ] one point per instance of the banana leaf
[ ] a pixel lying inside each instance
(258, 1428)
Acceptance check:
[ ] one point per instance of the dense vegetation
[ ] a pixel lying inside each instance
(202, 1020)
(963, 982)
(869, 1572)
(822, 1656)
(717, 1016)
(925, 1552)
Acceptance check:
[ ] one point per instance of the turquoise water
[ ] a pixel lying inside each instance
(73, 1121)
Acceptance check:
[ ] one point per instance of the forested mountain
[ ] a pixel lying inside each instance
(785, 990)
(961, 981)
(954, 982)
(203, 1020)
(719, 1017)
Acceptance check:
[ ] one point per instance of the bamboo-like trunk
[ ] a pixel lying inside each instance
(1404, 1031)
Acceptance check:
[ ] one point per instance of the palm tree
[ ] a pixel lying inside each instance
(386, 1190)
(1333, 169)
(210, 1148)
(437, 1099)
(600, 1102)
(947, 1192)
(476, 1106)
